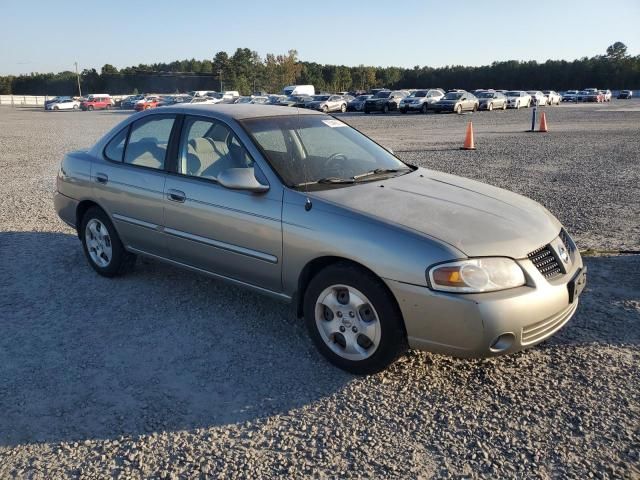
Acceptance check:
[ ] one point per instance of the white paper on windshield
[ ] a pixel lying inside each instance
(333, 123)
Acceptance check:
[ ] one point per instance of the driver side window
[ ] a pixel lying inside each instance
(209, 147)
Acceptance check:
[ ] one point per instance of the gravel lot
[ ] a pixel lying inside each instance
(166, 374)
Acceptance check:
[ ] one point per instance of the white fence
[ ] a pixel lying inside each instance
(24, 100)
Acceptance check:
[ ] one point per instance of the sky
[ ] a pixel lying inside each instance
(44, 36)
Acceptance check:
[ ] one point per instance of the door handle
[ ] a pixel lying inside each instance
(102, 178)
(176, 195)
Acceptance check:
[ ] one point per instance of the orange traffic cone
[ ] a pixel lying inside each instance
(543, 123)
(468, 139)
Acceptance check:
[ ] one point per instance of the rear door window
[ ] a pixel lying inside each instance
(148, 141)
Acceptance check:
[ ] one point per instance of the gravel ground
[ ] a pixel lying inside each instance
(166, 374)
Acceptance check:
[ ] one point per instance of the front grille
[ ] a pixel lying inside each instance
(546, 262)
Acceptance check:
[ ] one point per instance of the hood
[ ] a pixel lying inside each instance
(476, 218)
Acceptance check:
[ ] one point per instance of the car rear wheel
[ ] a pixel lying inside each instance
(107, 107)
(353, 319)
(102, 246)
(325, 109)
(56, 108)
(90, 108)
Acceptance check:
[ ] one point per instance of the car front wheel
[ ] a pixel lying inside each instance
(458, 109)
(102, 245)
(343, 108)
(353, 319)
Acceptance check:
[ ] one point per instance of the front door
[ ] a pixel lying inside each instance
(236, 234)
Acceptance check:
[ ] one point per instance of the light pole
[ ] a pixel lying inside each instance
(220, 75)
(78, 77)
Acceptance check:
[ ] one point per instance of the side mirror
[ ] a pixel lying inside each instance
(241, 179)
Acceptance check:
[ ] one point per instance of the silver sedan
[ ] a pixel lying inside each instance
(375, 254)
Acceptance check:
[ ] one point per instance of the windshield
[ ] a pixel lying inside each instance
(320, 98)
(363, 97)
(485, 95)
(513, 93)
(419, 93)
(384, 94)
(307, 148)
(452, 96)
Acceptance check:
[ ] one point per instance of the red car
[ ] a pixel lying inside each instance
(97, 103)
(146, 103)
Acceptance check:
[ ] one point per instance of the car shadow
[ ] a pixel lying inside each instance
(162, 349)
(84, 357)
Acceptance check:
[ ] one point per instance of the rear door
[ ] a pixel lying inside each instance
(129, 183)
(233, 233)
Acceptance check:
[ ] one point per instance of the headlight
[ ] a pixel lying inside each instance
(476, 275)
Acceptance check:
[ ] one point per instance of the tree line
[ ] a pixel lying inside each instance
(248, 72)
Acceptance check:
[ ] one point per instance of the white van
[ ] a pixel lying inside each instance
(299, 90)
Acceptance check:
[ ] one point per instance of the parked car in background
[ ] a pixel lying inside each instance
(357, 104)
(327, 103)
(606, 95)
(67, 103)
(553, 97)
(434, 261)
(456, 101)
(295, 101)
(537, 98)
(259, 100)
(518, 99)
(205, 100)
(384, 101)
(55, 100)
(570, 96)
(168, 100)
(299, 90)
(96, 102)
(146, 103)
(275, 99)
(489, 100)
(420, 100)
(591, 95)
(129, 102)
(625, 94)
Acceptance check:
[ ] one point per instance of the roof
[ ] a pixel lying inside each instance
(239, 111)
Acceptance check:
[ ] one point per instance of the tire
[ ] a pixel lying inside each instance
(385, 108)
(490, 106)
(372, 312)
(75, 107)
(475, 107)
(343, 108)
(366, 111)
(108, 107)
(102, 246)
(504, 105)
(56, 108)
(517, 105)
(325, 109)
(90, 108)
(458, 109)
(424, 108)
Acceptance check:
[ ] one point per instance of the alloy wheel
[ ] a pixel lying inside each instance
(347, 322)
(98, 243)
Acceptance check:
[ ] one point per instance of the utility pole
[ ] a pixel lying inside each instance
(78, 77)
(220, 75)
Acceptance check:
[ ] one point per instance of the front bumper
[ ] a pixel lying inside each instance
(469, 325)
(412, 106)
(443, 108)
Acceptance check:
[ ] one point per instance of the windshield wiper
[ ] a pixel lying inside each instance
(328, 180)
(379, 171)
